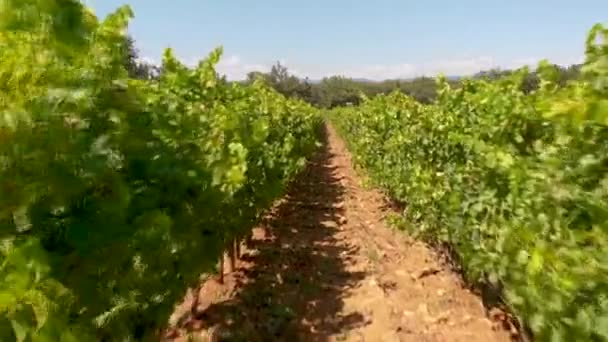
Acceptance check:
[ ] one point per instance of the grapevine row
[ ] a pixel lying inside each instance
(117, 194)
(515, 183)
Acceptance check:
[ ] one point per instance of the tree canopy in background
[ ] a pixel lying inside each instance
(336, 91)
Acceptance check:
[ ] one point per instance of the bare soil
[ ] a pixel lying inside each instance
(324, 266)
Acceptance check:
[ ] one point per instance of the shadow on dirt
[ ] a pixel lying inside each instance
(294, 288)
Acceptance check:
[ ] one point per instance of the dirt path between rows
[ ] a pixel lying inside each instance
(323, 266)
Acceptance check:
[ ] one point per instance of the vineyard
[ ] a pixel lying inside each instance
(117, 194)
(516, 184)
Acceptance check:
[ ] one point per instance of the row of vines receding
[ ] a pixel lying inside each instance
(516, 183)
(117, 194)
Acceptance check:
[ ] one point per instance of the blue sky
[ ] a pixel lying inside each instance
(373, 39)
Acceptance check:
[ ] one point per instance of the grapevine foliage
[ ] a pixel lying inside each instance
(516, 183)
(116, 194)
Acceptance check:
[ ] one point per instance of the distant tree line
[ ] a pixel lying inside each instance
(532, 81)
(137, 68)
(340, 91)
(337, 91)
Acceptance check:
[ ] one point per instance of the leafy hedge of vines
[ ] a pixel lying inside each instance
(516, 183)
(116, 194)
